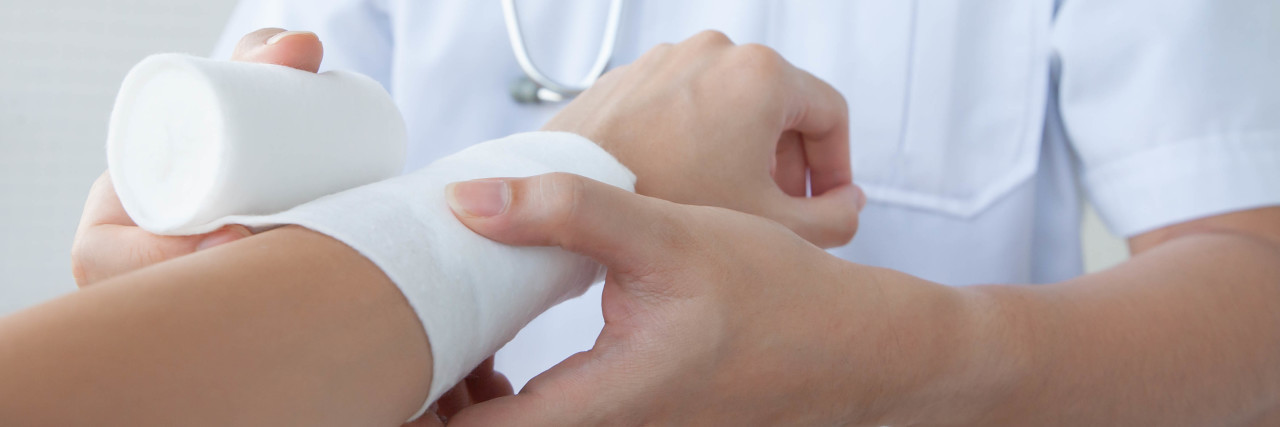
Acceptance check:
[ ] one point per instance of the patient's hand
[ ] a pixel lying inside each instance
(709, 123)
(109, 244)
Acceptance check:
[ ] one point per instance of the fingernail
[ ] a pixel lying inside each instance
(222, 237)
(862, 197)
(284, 35)
(480, 198)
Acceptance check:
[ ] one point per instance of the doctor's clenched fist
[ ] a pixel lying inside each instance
(707, 122)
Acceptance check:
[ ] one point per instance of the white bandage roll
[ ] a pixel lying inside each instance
(193, 140)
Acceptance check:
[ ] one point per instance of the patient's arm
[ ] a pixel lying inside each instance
(286, 327)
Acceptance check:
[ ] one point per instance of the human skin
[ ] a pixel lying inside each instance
(234, 335)
(112, 252)
(716, 317)
(702, 121)
(752, 149)
(706, 310)
(713, 317)
(109, 245)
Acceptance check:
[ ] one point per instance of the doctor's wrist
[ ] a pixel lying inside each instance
(926, 353)
(978, 365)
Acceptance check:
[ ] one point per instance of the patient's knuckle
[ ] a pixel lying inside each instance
(605, 88)
(710, 38)
(611, 76)
(759, 61)
(750, 74)
(654, 55)
(659, 49)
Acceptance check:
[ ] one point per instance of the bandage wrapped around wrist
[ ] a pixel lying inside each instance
(471, 294)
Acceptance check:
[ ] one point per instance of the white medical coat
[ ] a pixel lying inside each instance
(976, 126)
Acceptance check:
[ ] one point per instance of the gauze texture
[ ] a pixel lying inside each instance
(472, 294)
(197, 144)
(193, 140)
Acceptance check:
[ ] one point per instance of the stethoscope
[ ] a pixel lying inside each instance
(535, 87)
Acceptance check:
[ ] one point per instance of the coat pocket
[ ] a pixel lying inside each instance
(971, 107)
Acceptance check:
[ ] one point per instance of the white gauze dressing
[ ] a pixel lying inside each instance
(194, 140)
(471, 294)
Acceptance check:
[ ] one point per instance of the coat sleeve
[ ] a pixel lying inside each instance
(1173, 106)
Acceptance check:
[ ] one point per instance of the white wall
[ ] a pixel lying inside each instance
(62, 63)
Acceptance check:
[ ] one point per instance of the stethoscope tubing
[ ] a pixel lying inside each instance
(536, 86)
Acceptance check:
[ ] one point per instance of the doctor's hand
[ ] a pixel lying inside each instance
(707, 122)
(108, 243)
(712, 317)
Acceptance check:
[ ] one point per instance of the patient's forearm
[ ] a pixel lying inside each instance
(287, 327)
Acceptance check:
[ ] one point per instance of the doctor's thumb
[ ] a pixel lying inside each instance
(615, 227)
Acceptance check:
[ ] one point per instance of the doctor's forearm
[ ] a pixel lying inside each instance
(1186, 333)
(287, 327)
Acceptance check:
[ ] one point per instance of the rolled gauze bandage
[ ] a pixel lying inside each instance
(193, 140)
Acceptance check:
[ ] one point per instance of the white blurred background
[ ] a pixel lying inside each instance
(62, 61)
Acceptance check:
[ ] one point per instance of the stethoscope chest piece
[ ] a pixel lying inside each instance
(525, 91)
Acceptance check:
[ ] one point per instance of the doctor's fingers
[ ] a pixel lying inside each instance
(571, 393)
(628, 233)
(482, 384)
(788, 168)
(827, 220)
(820, 114)
(296, 49)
